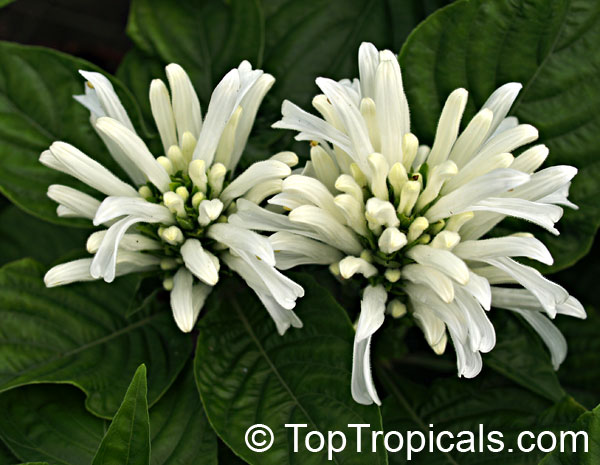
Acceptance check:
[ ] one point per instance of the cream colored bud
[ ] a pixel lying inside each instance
(168, 263)
(168, 284)
(188, 144)
(182, 192)
(396, 308)
(174, 203)
(393, 275)
(197, 198)
(197, 172)
(172, 235)
(408, 197)
(166, 164)
(145, 192)
(391, 240)
(358, 175)
(216, 178)
(416, 228)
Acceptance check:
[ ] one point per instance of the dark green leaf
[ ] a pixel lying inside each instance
(6, 456)
(551, 46)
(463, 405)
(37, 108)
(79, 335)
(247, 374)
(180, 431)
(22, 235)
(127, 441)
(50, 423)
(520, 355)
(589, 422)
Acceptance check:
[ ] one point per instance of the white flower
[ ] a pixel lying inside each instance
(175, 220)
(411, 220)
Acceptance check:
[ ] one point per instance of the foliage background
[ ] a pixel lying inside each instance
(70, 359)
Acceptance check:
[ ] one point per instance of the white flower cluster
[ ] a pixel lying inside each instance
(176, 219)
(410, 221)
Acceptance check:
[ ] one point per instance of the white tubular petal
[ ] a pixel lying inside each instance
(160, 104)
(381, 213)
(542, 214)
(238, 239)
(393, 118)
(448, 126)
(282, 316)
(200, 262)
(421, 157)
(559, 197)
(478, 167)
(368, 61)
(346, 183)
(223, 102)
(442, 260)
(545, 182)
(226, 145)
(255, 174)
(187, 299)
(186, 107)
(287, 157)
(251, 216)
(433, 328)
(287, 201)
(446, 240)
(82, 205)
(507, 141)
(352, 120)
(372, 315)
(509, 246)
(531, 159)
(292, 250)
(482, 336)
(391, 240)
(380, 169)
(416, 228)
(324, 166)
(397, 177)
(70, 272)
(64, 212)
(264, 190)
(459, 200)
(446, 171)
(500, 102)
(314, 192)
(135, 262)
(135, 148)
(479, 288)
(75, 163)
(471, 138)
(552, 337)
(115, 207)
(130, 242)
(432, 278)
(494, 275)
(107, 97)
(511, 299)
(249, 103)
(449, 313)
(311, 127)
(353, 211)
(349, 266)
(507, 123)
(468, 361)
(369, 114)
(105, 261)
(548, 293)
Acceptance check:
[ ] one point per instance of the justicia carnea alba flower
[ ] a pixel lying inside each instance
(411, 221)
(172, 216)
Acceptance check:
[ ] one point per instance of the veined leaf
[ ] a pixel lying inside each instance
(247, 374)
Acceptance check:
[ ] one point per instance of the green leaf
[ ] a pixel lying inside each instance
(22, 235)
(180, 431)
(37, 108)
(247, 374)
(589, 422)
(463, 405)
(127, 441)
(50, 423)
(520, 355)
(79, 335)
(6, 456)
(551, 46)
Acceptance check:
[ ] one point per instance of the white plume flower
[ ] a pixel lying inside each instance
(411, 221)
(172, 217)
